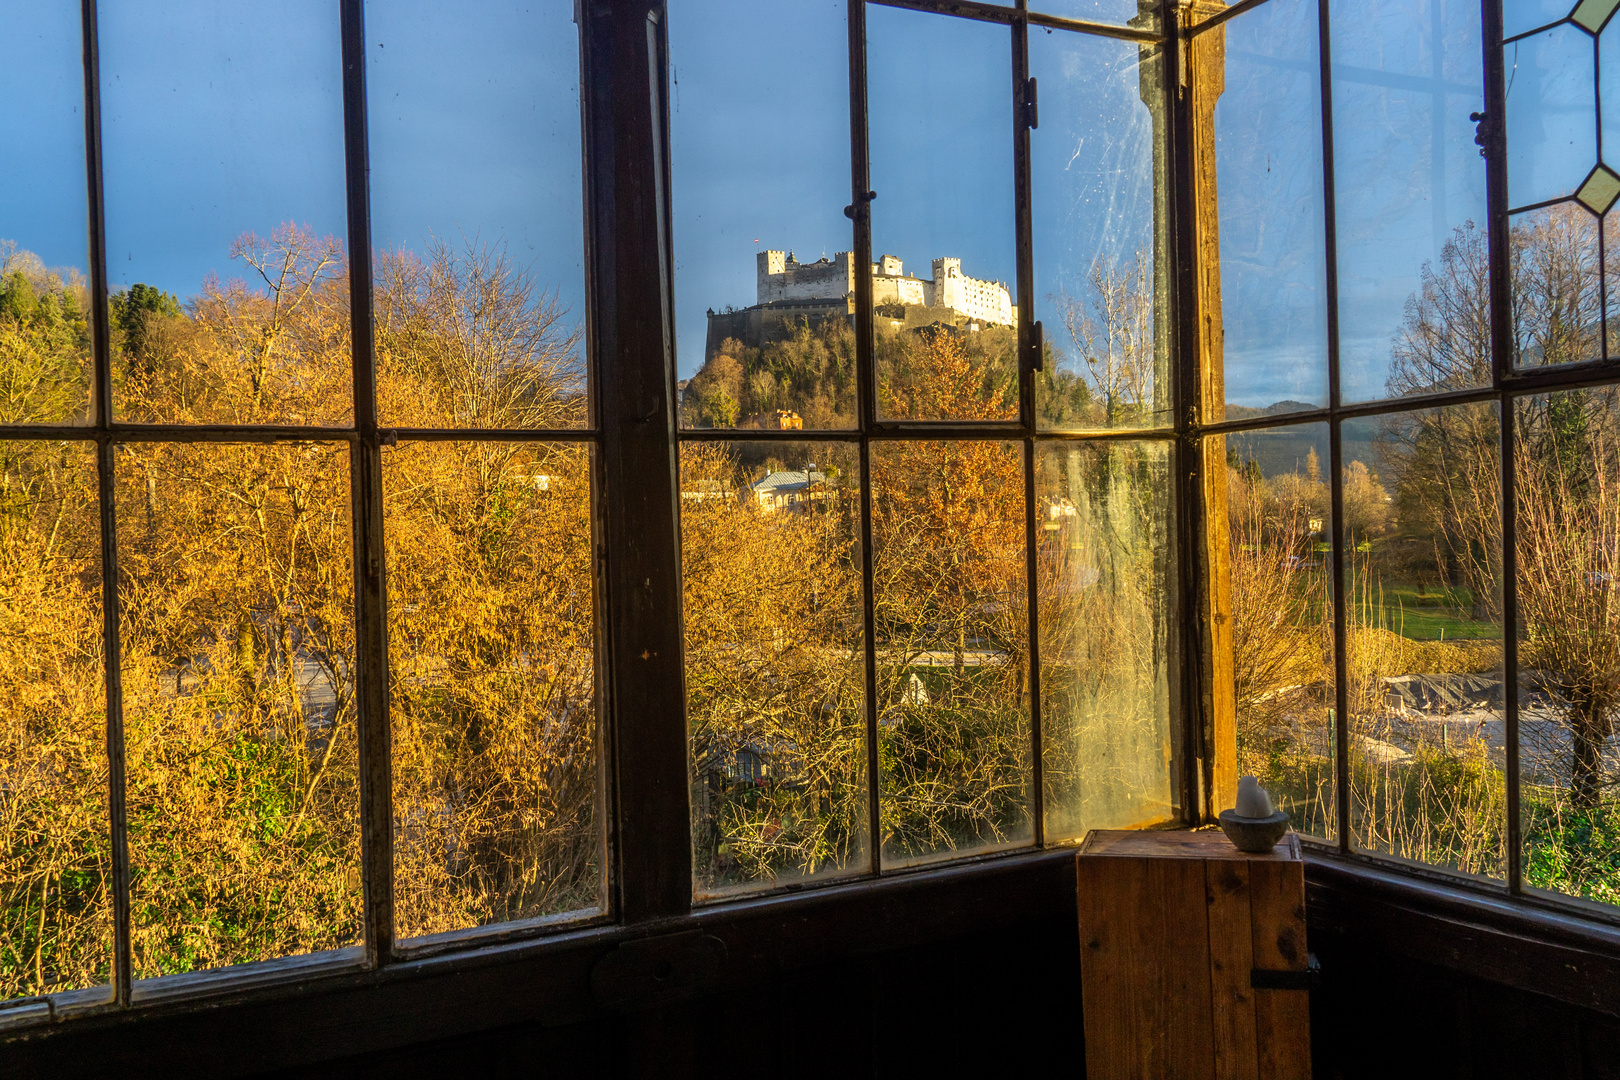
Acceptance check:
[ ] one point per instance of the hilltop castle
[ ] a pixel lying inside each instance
(790, 292)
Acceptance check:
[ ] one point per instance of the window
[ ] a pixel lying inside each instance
(553, 466)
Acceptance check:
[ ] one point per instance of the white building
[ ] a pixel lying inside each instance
(782, 278)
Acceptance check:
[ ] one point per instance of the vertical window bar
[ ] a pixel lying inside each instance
(1181, 174)
(1492, 140)
(860, 213)
(1341, 666)
(365, 463)
(101, 344)
(1027, 346)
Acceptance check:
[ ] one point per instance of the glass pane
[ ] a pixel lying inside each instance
(1551, 114)
(939, 93)
(1557, 294)
(222, 134)
(1143, 14)
(1422, 530)
(1106, 587)
(1094, 167)
(45, 374)
(1413, 304)
(775, 669)
(1278, 519)
(239, 716)
(1568, 514)
(55, 841)
(952, 639)
(1268, 153)
(1520, 16)
(491, 632)
(765, 338)
(477, 214)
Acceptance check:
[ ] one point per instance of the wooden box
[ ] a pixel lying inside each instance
(1180, 936)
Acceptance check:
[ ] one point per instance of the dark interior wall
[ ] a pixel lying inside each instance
(968, 971)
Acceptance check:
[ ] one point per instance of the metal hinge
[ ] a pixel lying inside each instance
(1032, 105)
(1271, 979)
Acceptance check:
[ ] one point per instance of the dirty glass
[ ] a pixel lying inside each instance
(1422, 536)
(1105, 581)
(1094, 177)
(951, 606)
(775, 663)
(1278, 519)
(1567, 458)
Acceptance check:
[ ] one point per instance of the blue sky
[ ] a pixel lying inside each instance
(219, 120)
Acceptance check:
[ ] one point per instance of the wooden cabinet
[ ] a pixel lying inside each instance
(1192, 958)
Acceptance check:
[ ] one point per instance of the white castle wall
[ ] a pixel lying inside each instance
(781, 277)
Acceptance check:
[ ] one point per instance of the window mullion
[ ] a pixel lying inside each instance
(626, 131)
(365, 487)
(101, 345)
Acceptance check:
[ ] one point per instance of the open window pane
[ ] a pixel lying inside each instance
(764, 275)
(55, 840)
(1414, 312)
(775, 669)
(1567, 458)
(1422, 535)
(236, 588)
(45, 375)
(1143, 14)
(477, 214)
(1271, 287)
(222, 130)
(939, 96)
(491, 632)
(1278, 524)
(1095, 179)
(952, 647)
(1107, 620)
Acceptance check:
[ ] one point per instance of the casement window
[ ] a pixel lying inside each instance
(476, 474)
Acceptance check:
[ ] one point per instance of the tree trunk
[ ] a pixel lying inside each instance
(1588, 731)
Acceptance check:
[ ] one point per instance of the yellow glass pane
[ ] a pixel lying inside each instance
(1599, 191)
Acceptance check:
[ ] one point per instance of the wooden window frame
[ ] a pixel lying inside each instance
(350, 1002)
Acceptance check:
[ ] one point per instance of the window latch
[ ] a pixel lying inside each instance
(1272, 979)
(861, 201)
(1486, 131)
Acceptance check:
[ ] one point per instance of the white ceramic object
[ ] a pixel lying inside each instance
(1252, 800)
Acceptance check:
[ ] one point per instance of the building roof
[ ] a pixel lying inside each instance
(786, 481)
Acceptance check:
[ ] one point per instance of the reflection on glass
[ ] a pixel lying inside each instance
(1551, 114)
(775, 671)
(1281, 565)
(493, 688)
(765, 279)
(239, 712)
(1268, 153)
(1143, 14)
(222, 131)
(1557, 288)
(477, 213)
(1422, 533)
(1410, 198)
(952, 647)
(938, 94)
(1093, 171)
(1568, 529)
(45, 372)
(1106, 609)
(55, 840)
(1522, 16)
